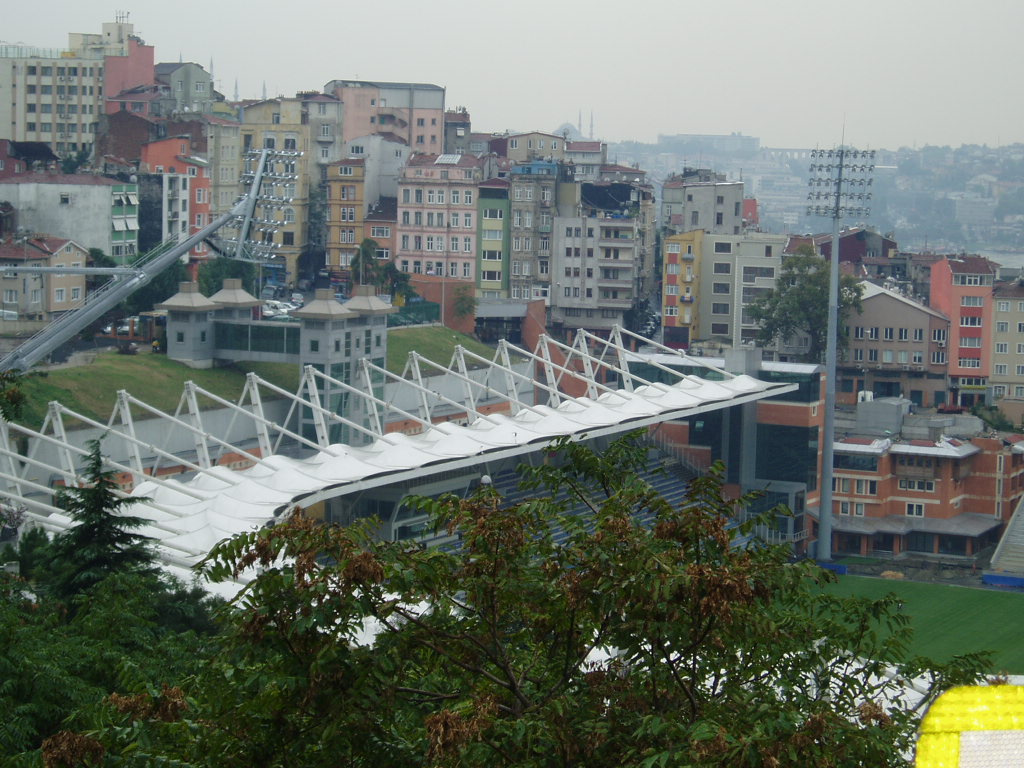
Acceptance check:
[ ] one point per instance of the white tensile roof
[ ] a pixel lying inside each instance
(189, 514)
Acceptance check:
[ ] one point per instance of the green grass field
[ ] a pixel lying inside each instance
(948, 620)
(92, 389)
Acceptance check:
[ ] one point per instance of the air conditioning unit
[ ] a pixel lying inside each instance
(941, 344)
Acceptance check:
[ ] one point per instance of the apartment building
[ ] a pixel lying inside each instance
(895, 348)
(532, 196)
(56, 95)
(385, 156)
(961, 288)
(1007, 380)
(682, 256)
(735, 271)
(702, 199)
(346, 213)
(494, 270)
(172, 156)
(165, 208)
(308, 125)
(412, 111)
(586, 158)
(97, 212)
(41, 296)
(530, 146)
(438, 215)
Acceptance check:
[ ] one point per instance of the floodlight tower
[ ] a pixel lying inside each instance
(264, 170)
(839, 186)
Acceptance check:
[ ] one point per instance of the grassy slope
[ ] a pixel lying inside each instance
(91, 389)
(434, 342)
(949, 620)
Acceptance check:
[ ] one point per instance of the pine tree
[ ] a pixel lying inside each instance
(103, 542)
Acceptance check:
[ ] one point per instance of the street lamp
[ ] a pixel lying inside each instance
(839, 186)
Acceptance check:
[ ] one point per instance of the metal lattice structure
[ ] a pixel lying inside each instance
(204, 482)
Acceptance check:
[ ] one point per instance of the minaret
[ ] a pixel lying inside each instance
(236, 89)
(591, 124)
(264, 90)
(579, 122)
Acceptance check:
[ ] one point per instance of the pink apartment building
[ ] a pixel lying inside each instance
(437, 215)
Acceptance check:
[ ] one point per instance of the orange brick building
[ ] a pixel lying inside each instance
(947, 497)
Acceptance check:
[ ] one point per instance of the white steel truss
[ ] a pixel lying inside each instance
(193, 499)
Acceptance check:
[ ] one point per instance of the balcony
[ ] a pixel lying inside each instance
(686, 256)
(615, 282)
(544, 229)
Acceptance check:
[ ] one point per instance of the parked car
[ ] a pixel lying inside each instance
(297, 299)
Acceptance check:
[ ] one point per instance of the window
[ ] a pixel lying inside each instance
(975, 322)
(719, 329)
(1002, 369)
(971, 301)
(721, 288)
(887, 334)
(919, 334)
(1002, 327)
(719, 309)
(1003, 306)
(468, 196)
(903, 334)
(721, 247)
(915, 510)
(59, 295)
(723, 268)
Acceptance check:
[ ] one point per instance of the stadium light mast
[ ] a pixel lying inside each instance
(839, 186)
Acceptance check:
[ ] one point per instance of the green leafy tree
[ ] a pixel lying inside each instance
(57, 669)
(71, 163)
(160, 288)
(103, 541)
(465, 302)
(366, 268)
(799, 304)
(398, 284)
(635, 634)
(212, 274)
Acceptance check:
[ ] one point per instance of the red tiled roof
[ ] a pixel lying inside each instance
(36, 248)
(972, 265)
(858, 440)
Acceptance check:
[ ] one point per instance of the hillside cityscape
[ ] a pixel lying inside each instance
(364, 306)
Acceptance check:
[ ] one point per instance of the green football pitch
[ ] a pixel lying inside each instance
(948, 620)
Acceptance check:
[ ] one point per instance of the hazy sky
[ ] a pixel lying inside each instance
(792, 72)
